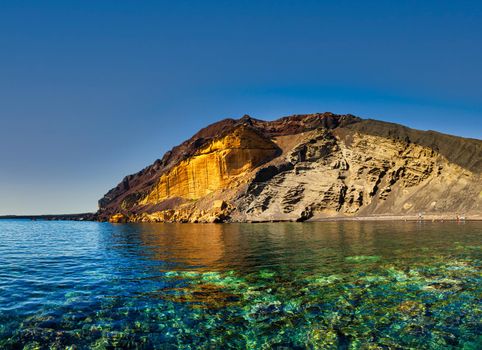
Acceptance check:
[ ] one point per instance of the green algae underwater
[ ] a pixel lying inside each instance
(330, 285)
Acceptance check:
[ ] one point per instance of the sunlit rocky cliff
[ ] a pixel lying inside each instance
(303, 167)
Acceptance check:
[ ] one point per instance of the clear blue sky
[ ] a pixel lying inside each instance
(91, 91)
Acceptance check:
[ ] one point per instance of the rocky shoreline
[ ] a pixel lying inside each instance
(53, 217)
(432, 217)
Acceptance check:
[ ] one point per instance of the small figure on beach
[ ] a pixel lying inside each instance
(460, 218)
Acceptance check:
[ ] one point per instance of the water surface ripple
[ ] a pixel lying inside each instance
(349, 285)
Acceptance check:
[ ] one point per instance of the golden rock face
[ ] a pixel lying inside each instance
(299, 168)
(118, 218)
(214, 166)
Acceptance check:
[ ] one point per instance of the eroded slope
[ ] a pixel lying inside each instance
(302, 167)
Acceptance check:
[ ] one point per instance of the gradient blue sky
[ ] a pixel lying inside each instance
(91, 91)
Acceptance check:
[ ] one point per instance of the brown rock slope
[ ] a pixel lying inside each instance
(303, 167)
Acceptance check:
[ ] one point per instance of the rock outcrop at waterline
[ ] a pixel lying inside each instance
(299, 168)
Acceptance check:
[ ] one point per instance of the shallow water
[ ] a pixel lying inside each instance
(349, 285)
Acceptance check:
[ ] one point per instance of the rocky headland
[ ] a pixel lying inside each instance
(303, 167)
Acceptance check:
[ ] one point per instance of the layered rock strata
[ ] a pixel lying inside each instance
(303, 167)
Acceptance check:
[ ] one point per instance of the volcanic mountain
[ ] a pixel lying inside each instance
(302, 167)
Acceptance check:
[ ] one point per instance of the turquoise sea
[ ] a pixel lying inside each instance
(345, 285)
